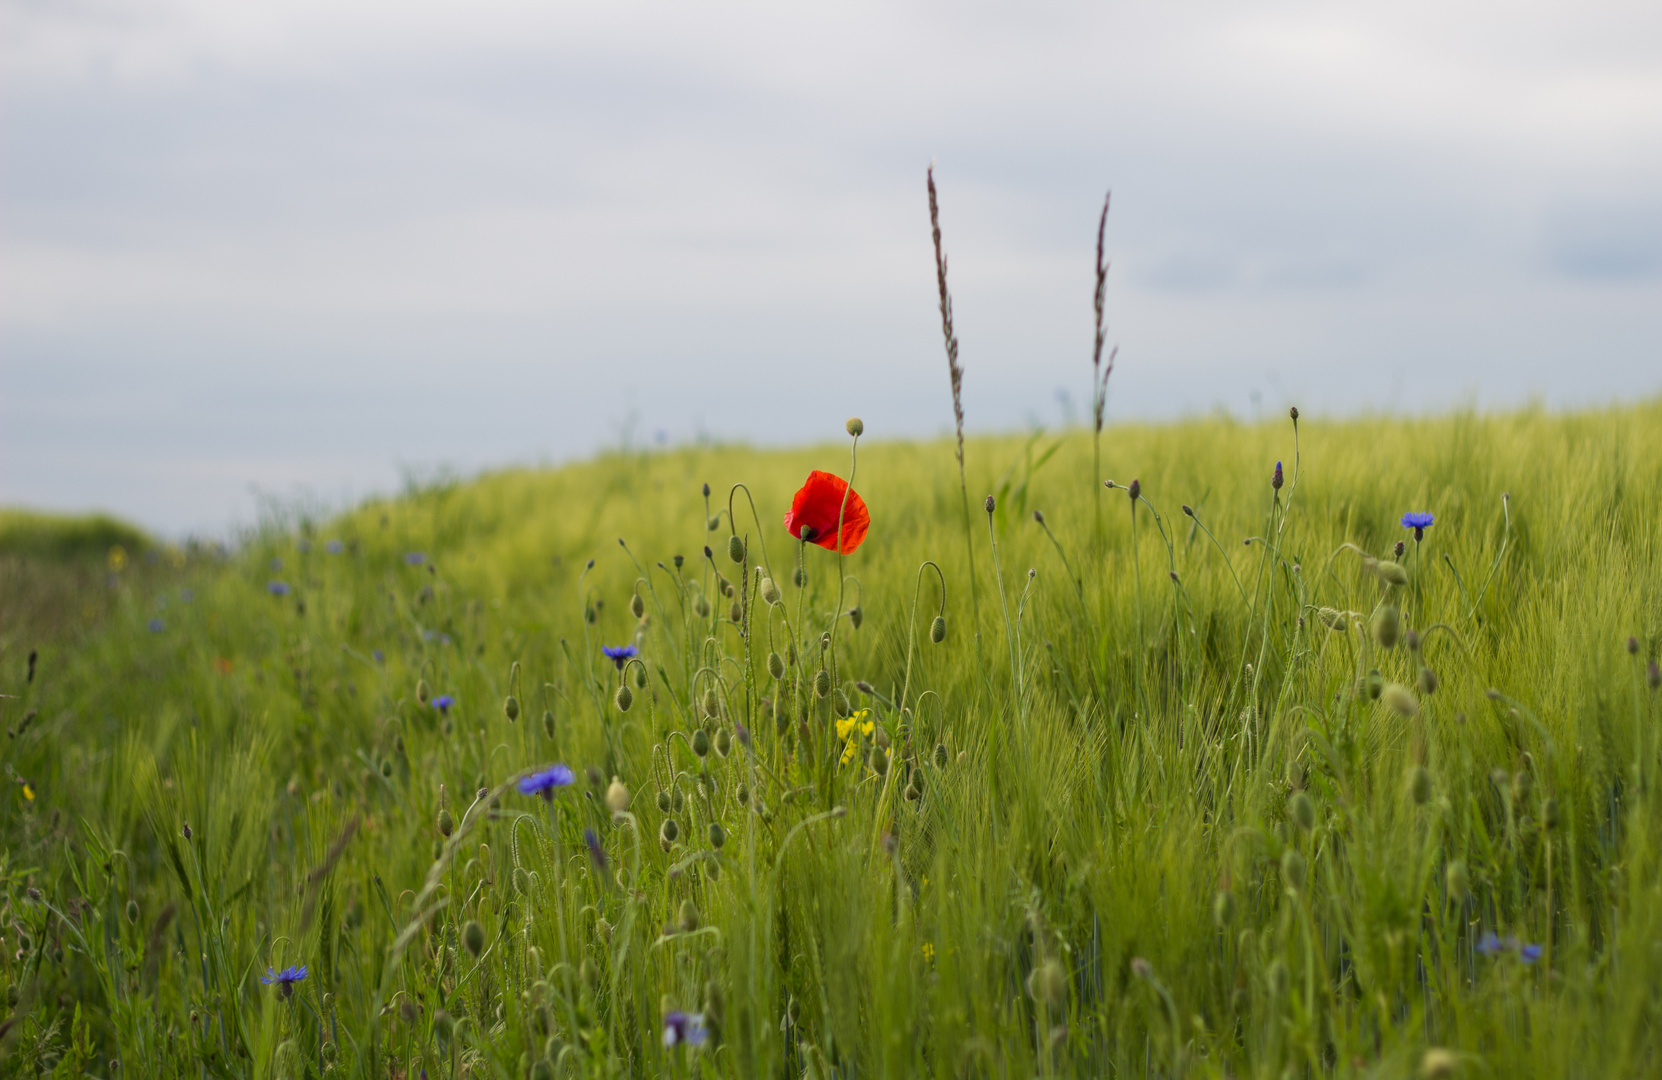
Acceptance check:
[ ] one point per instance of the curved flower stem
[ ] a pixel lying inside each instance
(912, 628)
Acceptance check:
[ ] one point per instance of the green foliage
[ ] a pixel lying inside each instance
(53, 536)
(1165, 805)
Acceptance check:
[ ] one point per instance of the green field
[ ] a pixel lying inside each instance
(1161, 803)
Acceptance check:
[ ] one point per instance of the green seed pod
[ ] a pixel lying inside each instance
(1400, 700)
(676, 800)
(839, 702)
(663, 802)
(637, 605)
(855, 426)
(473, 939)
(669, 831)
(776, 666)
(718, 837)
(701, 742)
(1391, 572)
(386, 771)
(724, 742)
(913, 793)
(1387, 625)
(1428, 682)
(510, 708)
(770, 591)
(879, 761)
(735, 549)
(624, 698)
(688, 916)
(702, 606)
(712, 703)
(1459, 882)
(1048, 983)
(1301, 811)
(1332, 618)
(1223, 908)
(548, 723)
(132, 911)
(937, 629)
(1419, 785)
(855, 617)
(822, 682)
(1293, 869)
(422, 693)
(447, 824)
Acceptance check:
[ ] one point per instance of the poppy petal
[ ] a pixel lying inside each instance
(819, 504)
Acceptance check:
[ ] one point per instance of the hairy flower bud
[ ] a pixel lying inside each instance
(1301, 811)
(855, 616)
(718, 836)
(473, 939)
(1387, 625)
(940, 755)
(617, 796)
(669, 830)
(637, 605)
(1135, 490)
(822, 682)
(735, 549)
(770, 591)
(937, 629)
(776, 666)
(1391, 572)
(1459, 882)
(724, 742)
(624, 698)
(422, 693)
(712, 703)
(1293, 869)
(1419, 785)
(510, 708)
(548, 723)
(855, 426)
(688, 916)
(1400, 700)
(1428, 681)
(446, 823)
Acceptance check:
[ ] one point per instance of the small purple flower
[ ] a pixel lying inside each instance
(284, 980)
(1277, 480)
(380, 657)
(443, 702)
(1418, 522)
(157, 626)
(1529, 953)
(597, 854)
(544, 781)
(334, 547)
(687, 1028)
(415, 558)
(277, 588)
(619, 654)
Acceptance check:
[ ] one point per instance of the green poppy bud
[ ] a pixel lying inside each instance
(669, 830)
(701, 742)
(688, 916)
(1332, 618)
(770, 591)
(522, 881)
(855, 617)
(1301, 811)
(839, 702)
(617, 796)
(541, 1069)
(663, 802)
(724, 742)
(1048, 983)
(1387, 624)
(940, 755)
(639, 676)
(1438, 1063)
(1419, 785)
(717, 836)
(822, 682)
(1459, 882)
(548, 723)
(473, 939)
(879, 761)
(702, 606)
(1278, 976)
(937, 629)
(422, 693)
(735, 549)
(637, 605)
(510, 708)
(1391, 572)
(1373, 685)
(776, 666)
(624, 698)
(1400, 700)
(1293, 869)
(1550, 817)
(589, 615)
(1223, 908)
(913, 793)
(743, 795)
(1428, 682)
(800, 577)
(712, 703)
(713, 524)
(447, 824)
(855, 426)
(735, 612)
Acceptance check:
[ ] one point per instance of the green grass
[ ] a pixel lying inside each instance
(1151, 822)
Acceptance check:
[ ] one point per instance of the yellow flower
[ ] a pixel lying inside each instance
(928, 953)
(28, 793)
(847, 725)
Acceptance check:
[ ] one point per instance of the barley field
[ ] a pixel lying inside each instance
(1214, 770)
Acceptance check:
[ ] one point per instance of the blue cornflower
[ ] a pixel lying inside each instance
(157, 626)
(1277, 480)
(597, 854)
(680, 1027)
(380, 657)
(1529, 953)
(544, 781)
(334, 547)
(1491, 943)
(443, 702)
(285, 979)
(277, 588)
(619, 654)
(415, 558)
(1418, 522)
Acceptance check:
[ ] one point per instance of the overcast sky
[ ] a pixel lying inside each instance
(292, 247)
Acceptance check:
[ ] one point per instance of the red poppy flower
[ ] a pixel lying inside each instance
(815, 509)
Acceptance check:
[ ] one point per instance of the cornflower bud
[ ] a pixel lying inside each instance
(1399, 549)
(1653, 676)
(1633, 646)
(1135, 490)
(1276, 480)
(990, 504)
(1293, 412)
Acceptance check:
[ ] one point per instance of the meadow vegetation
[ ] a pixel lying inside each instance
(1195, 776)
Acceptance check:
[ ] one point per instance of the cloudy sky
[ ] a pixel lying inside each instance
(300, 248)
